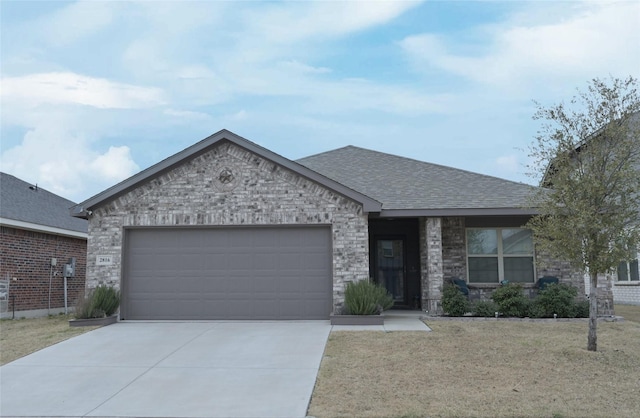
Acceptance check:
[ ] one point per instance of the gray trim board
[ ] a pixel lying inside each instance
(400, 213)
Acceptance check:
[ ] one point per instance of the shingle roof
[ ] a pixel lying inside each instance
(404, 184)
(19, 202)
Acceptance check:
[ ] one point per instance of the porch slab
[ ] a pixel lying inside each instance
(393, 321)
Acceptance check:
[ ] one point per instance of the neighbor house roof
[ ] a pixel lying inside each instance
(26, 206)
(82, 209)
(408, 187)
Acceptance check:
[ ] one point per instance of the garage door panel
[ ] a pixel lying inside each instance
(230, 273)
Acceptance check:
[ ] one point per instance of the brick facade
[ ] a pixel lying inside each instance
(259, 193)
(448, 260)
(26, 261)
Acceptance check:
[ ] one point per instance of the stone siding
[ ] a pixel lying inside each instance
(256, 191)
(25, 259)
(431, 260)
(453, 263)
(454, 246)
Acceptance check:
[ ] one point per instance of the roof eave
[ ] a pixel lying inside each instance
(53, 230)
(407, 213)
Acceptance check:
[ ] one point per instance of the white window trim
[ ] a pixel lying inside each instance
(499, 254)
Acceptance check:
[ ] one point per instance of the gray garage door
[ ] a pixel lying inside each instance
(227, 273)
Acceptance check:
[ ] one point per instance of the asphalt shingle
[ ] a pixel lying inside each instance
(21, 201)
(403, 183)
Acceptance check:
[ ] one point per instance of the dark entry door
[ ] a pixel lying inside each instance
(390, 267)
(395, 259)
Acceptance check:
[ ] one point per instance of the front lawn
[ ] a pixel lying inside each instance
(482, 369)
(20, 337)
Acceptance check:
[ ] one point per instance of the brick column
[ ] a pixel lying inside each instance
(432, 289)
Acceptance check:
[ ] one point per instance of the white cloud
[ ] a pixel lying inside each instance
(114, 165)
(294, 22)
(582, 42)
(63, 162)
(71, 88)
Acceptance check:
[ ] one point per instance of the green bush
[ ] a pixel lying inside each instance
(536, 309)
(557, 299)
(511, 300)
(582, 309)
(454, 302)
(484, 308)
(102, 301)
(366, 298)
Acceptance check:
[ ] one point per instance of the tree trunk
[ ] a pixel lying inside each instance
(592, 340)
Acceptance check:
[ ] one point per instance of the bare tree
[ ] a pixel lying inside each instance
(588, 154)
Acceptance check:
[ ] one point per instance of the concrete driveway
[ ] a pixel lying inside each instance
(171, 369)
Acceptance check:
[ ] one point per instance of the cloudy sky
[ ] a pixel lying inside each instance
(93, 92)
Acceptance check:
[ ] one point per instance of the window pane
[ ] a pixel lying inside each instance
(633, 266)
(623, 273)
(518, 269)
(483, 270)
(517, 241)
(482, 241)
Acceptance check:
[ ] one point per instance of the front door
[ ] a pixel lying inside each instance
(390, 267)
(395, 259)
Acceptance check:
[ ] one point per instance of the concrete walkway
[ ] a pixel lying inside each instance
(393, 321)
(178, 369)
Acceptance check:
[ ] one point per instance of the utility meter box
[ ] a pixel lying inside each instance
(69, 269)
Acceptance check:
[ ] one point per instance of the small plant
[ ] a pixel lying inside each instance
(366, 298)
(103, 301)
(511, 300)
(556, 299)
(454, 302)
(484, 308)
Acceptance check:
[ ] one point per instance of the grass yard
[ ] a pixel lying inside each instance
(629, 312)
(483, 369)
(20, 337)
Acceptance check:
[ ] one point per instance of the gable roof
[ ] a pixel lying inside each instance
(82, 209)
(408, 187)
(25, 206)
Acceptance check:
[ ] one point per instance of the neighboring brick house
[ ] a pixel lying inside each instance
(35, 229)
(226, 229)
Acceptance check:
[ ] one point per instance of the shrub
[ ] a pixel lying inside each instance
(454, 302)
(556, 299)
(511, 300)
(366, 298)
(485, 308)
(582, 309)
(536, 310)
(102, 301)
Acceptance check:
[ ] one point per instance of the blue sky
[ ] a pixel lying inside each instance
(93, 92)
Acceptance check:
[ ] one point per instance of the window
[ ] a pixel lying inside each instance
(628, 271)
(496, 254)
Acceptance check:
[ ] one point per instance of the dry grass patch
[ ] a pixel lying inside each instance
(629, 312)
(21, 337)
(481, 369)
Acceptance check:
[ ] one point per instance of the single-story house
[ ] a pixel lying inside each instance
(38, 237)
(227, 229)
